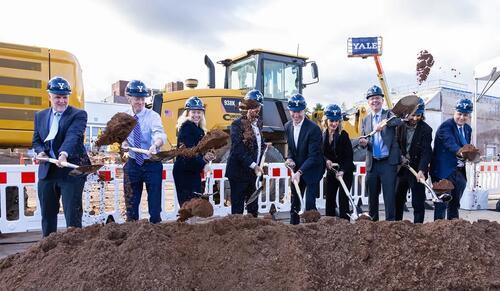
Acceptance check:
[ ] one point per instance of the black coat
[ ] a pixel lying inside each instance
(242, 155)
(189, 136)
(339, 151)
(308, 155)
(420, 148)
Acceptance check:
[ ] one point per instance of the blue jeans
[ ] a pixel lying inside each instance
(311, 192)
(50, 192)
(134, 177)
(458, 179)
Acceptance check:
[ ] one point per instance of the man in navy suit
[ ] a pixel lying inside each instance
(58, 134)
(447, 163)
(247, 148)
(305, 155)
(382, 155)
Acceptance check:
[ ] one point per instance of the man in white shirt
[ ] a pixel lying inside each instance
(139, 169)
(305, 156)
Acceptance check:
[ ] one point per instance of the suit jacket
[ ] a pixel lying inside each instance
(388, 136)
(308, 155)
(189, 136)
(420, 149)
(241, 155)
(339, 151)
(69, 138)
(447, 143)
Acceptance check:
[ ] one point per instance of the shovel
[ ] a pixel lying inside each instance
(159, 156)
(77, 170)
(354, 215)
(299, 193)
(258, 181)
(208, 181)
(405, 107)
(445, 197)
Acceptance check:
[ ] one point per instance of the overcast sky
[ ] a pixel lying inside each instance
(161, 41)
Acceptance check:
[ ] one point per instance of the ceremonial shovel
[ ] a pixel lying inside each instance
(77, 170)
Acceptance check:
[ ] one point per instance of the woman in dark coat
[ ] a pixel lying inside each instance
(191, 129)
(337, 149)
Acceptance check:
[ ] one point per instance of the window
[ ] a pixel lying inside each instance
(281, 80)
(242, 75)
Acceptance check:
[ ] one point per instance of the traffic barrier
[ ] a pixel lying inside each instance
(103, 193)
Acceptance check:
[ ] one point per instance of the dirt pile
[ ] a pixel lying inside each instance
(243, 253)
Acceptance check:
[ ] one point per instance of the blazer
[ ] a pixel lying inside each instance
(69, 138)
(339, 151)
(308, 154)
(420, 149)
(241, 155)
(189, 136)
(388, 136)
(447, 143)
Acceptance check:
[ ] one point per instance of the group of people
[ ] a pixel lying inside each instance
(59, 134)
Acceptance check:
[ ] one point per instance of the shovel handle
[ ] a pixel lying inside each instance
(139, 150)
(54, 161)
(422, 181)
(299, 193)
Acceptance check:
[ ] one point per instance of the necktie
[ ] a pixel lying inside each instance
(376, 139)
(54, 127)
(462, 136)
(139, 159)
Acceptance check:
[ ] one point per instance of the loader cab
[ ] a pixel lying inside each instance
(278, 76)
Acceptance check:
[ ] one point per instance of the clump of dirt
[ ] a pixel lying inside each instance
(213, 140)
(443, 186)
(470, 153)
(425, 61)
(244, 253)
(310, 216)
(195, 207)
(117, 129)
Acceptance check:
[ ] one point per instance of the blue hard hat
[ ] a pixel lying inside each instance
(333, 112)
(136, 88)
(297, 103)
(464, 105)
(194, 103)
(374, 91)
(255, 95)
(420, 107)
(59, 86)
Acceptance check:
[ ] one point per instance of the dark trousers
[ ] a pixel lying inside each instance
(457, 177)
(406, 180)
(134, 176)
(311, 192)
(381, 174)
(50, 191)
(240, 192)
(331, 187)
(186, 183)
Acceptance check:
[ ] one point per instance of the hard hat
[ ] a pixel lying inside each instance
(297, 103)
(59, 86)
(374, 91)
(194, 103)
(420, 107)
(136, 88)
(333, 112)
(255, 95)
(464, 105)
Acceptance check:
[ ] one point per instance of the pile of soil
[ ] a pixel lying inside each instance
(243, 253)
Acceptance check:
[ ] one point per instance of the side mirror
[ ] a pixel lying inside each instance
(314, 73)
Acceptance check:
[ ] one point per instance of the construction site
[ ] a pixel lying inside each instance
(189, 250)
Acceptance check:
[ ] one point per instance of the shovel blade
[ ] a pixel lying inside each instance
(405, 106)
(255, 195)
(85, 170)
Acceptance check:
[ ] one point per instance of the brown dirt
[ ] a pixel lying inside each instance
(213, 140)
(470, 152)
(195, 207)
(310, 216)
(443, 186)
(243, 253)
(425, 61)
(117, 129)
